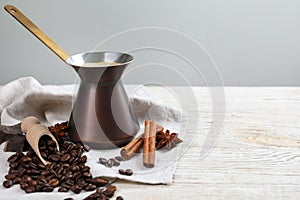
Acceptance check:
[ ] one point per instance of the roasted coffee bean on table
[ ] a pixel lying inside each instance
(110, 162)
(106, 193)
(127, 172)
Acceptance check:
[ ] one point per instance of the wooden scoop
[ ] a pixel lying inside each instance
(34, 131)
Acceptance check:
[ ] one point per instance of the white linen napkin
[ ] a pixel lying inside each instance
(52, 104)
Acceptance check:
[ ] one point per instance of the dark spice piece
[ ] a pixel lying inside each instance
(14, 138)
(165, 139)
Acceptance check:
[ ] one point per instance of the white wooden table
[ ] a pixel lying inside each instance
(257, 155)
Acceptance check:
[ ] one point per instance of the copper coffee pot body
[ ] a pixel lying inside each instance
(102, 116)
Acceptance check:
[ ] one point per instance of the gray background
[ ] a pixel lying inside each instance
(253, 42)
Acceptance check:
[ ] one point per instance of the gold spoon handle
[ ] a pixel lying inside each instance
(29, 25)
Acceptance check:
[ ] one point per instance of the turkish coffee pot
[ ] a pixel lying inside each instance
(102, 116)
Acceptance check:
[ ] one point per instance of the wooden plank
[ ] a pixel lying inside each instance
(257, 155)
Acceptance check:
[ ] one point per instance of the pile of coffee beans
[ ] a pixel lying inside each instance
(66, 171)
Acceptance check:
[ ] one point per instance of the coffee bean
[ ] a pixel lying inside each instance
(42, 181)
(36, 160)
(122, 171)
(112, 188)
(76, 189)
(99, 182)
(47, 189)
(90, 187)
(23, 185)
(109, 163)
(81, 183)
(13, 158)
(32, 172)
(13, 171)
(115, 162)
(65, 165)
(42, 148)
(65, 185)
(87, 175)
(45, 173)
(93, 196)
(119, 198)
(69, 198)
(86, 169)
(72, 160)
(38, 188)
(41, 165)
(32, 183)
(53, 182)
(69, 175)
(54, 158)
(51, 149)
(30, 190)
(73, 153)
(63, 189)
(108, 193)
(103, 161)
(51, 143)
(16, 180)
(73, 168)
(86, 148)
(14, 165)
(21, 172)
(119, 158)
(70, 147)
(83, 159)
(7, 184)
(26, 159)
(62, 179)
(26, 178)
(128, 172)
(65, 157)
(56, 167)
(32, 165)
(78, 176)
(10, 176)
(44, 155)
(60, 171)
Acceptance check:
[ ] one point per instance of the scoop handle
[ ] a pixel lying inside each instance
(29, 25)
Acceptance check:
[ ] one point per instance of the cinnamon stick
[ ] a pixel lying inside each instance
(146, 143)
(135, 145)
(132, 148)
(149, 144)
